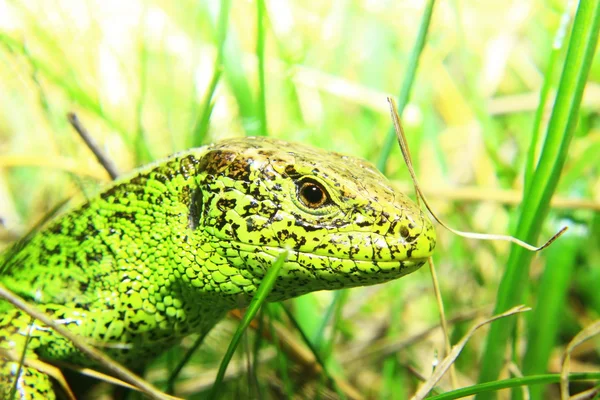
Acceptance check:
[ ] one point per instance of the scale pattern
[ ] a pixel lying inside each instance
(169, 249)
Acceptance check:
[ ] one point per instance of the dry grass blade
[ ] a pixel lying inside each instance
(57, 374)
(450, 358)
(471, 235)
(440, 304)
(92, 373)
(586, 394)
(41, 366)
(516, 371)
(585, 334)
(91, 352)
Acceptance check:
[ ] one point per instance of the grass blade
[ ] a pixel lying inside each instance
(533, 155)
(443, 367)
(586, 334)
(238, 82)
(68, 86)
(259, 298)
(319, 335)
(201, 127)
(17, 375)
(140, 141)
(544, 321)
(260, 55)
(93, 353)
(315, 352)
(170, 386)
(282, 361)
(513, 383)
(409, 78)
(536, 202)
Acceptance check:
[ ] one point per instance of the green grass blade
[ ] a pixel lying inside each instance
(585, 281)
(258, 340)
(67, 84)
(260, 55)
(259, 298)
(319, 334)
(182, 363)
(533, 154)
(17, 375)
(561, 127)
(142, 150)
(201, 127)
(282, 360)
(314, 350)
(239, 84)
(338, 305)
(229, 65)
(409, 78)
(545, 320)
(304, 307)
(513, 383)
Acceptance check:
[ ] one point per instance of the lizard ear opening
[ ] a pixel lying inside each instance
(195, 209)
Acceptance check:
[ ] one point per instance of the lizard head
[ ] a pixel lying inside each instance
(339, 218)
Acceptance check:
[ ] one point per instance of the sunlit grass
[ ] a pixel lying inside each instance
(151, 77)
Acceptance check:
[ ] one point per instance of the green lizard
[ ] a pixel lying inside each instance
(170, 248)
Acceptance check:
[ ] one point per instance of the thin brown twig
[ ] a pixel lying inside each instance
(450, 358)
(472, 235)
(102, 158)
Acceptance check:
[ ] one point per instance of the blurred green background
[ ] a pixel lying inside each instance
(139, 75)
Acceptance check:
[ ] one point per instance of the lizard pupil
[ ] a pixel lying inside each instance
(312, 194)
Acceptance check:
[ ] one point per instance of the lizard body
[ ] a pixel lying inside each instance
(168, 249)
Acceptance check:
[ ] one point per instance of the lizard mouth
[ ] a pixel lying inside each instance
(374, 264)
(306, 270)
(274, 251)
(351, 272)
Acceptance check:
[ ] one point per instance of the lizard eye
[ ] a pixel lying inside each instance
(312, 194)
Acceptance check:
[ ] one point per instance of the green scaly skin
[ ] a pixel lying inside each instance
(169, 249)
